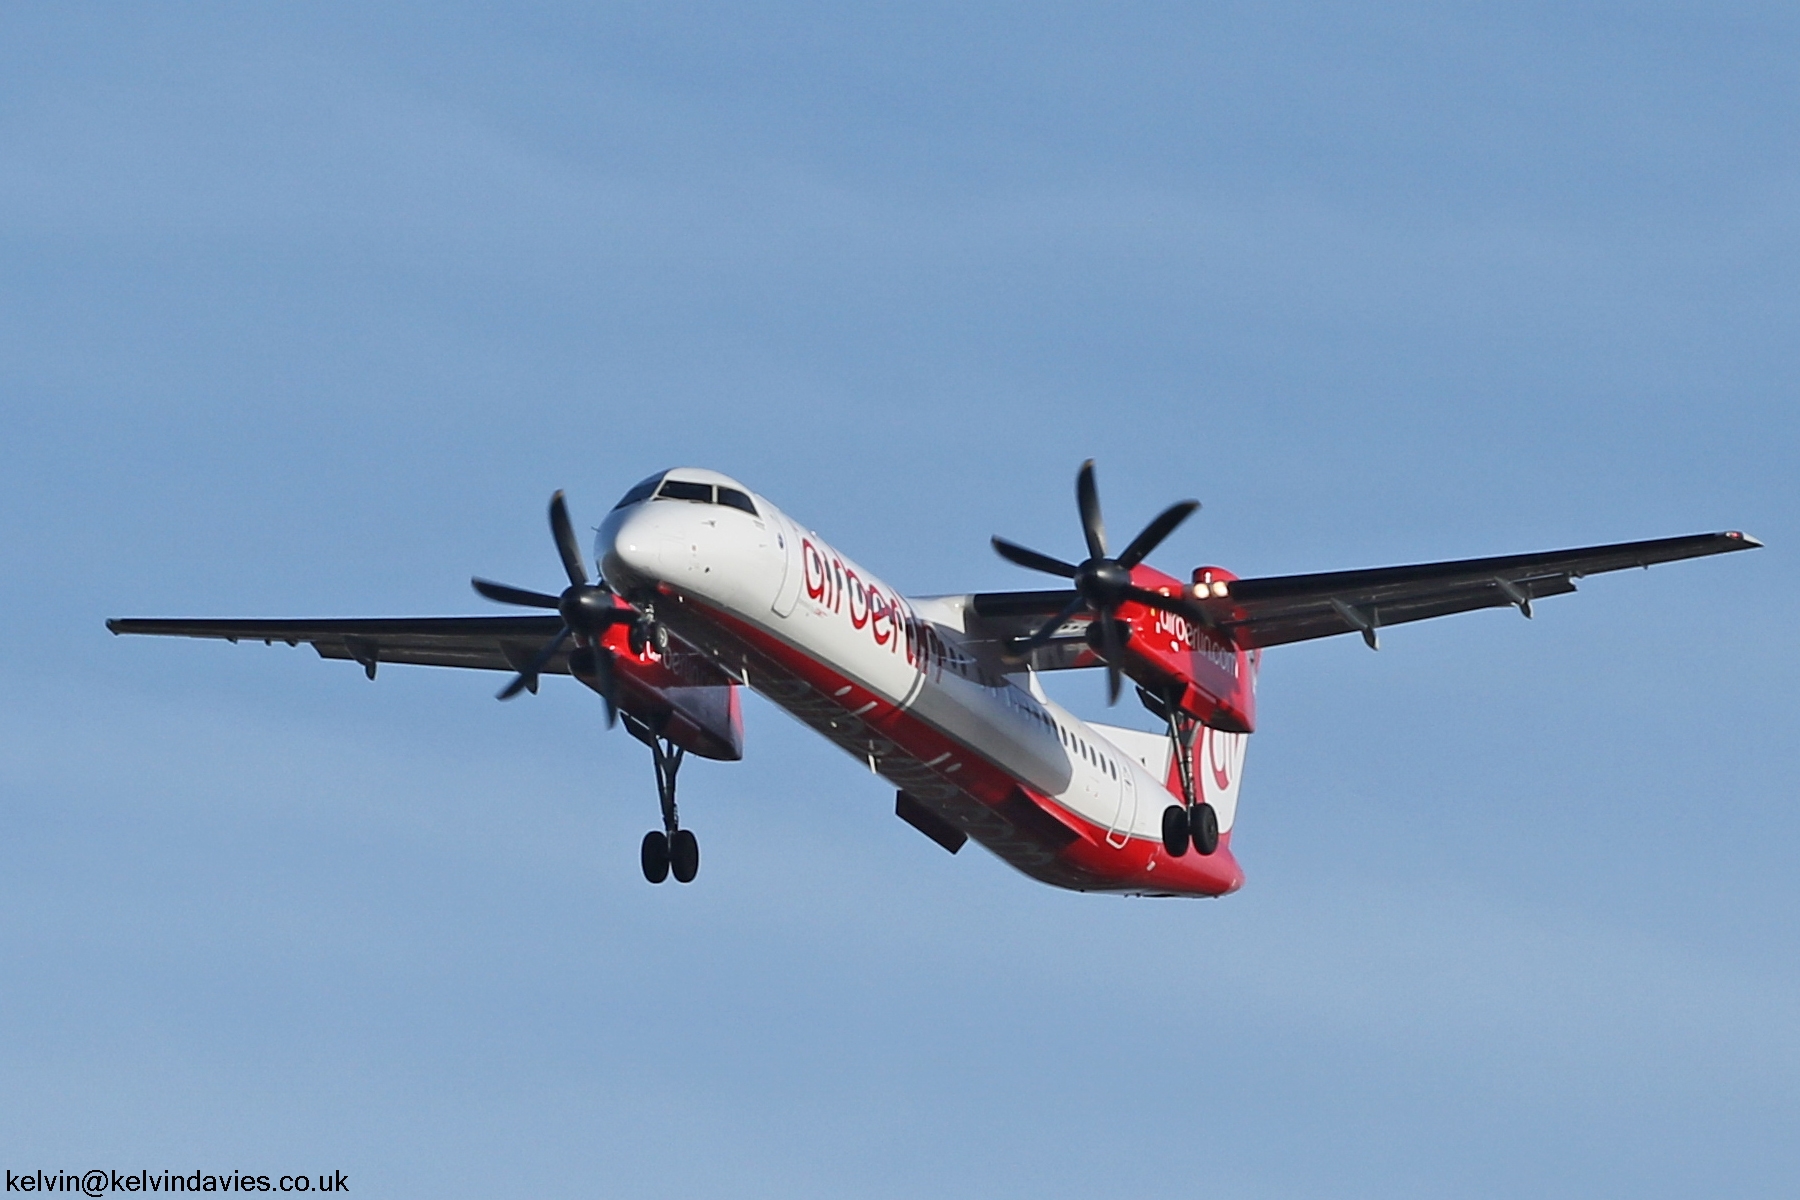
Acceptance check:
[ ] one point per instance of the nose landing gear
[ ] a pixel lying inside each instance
(648, 633)
(671, 849)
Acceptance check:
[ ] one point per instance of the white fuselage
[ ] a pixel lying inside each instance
(725, 580)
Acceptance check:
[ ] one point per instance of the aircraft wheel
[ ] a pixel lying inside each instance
(684, 855)
(1205, 823)
(656, 856)
(1175, 830)
(634, 638)
(659, 638)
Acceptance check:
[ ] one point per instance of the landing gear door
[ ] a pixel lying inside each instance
(787, 545)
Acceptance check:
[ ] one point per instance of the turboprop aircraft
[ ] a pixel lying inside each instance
(705, 587)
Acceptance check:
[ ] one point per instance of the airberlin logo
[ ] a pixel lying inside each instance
(886, 619)
(1182, 633)
(1167, 624)
(1224, 753)
(838, 588)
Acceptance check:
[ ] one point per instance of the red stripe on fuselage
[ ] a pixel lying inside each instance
(960, 782)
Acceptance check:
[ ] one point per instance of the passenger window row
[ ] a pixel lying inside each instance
(1081, 747)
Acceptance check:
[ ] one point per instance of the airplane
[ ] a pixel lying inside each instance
(704, 588)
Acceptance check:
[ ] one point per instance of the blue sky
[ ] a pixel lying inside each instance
(308, 312)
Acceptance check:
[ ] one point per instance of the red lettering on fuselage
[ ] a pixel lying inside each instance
(887, 619)
(1221, 772)
(817, 577)
(859, 600)
(1170, 625)
(1190, 639)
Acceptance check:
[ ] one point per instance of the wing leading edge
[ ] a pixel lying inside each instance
(1293, 608)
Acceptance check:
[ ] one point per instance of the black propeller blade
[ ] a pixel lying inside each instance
(609, 683)
(566, 544)
(1112, 649)
(529, 676)
(500, 593)
(1048, 629)
(1087, 500)
(1156, 531)
(1102, 583)
(1013, 552)
(587, 607)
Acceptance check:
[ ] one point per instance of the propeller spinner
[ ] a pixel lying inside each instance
(1102, 583)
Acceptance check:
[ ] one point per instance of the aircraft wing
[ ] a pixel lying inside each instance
(1293, 608)
(488, 643)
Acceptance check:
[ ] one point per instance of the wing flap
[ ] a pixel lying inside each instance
(1299, 623)
(1291, 608)
(482, 643)
(1000, 617)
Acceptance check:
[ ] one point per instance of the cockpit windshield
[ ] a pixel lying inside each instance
(662, 488)
(682, 489)
(641, 491)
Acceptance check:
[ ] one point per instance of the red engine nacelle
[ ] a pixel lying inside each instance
(1197, 669)
(680, 694)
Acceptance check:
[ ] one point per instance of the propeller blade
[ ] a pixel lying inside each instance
(1113, 650)
(1048, 629)
(1168, 604)
(609, 683)
(566, 543)
(1087, 499)
(1015, 553)
(501, 593)
(1156, 531)
(528, 677)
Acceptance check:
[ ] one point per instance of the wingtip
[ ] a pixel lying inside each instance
(112, 626)
(1750, 543)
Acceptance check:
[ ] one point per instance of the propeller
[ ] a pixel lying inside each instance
(584, 607)
(1101, 583)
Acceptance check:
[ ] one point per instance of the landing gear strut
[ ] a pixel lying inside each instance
(670, 849)
(1193, 821)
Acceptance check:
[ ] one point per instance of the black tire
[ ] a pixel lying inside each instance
(1175, 830)
(684, 855)
(655, 856)
(634, 638)
(1205, 823)
(659, 638)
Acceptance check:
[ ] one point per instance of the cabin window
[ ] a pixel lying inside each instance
(732, 498)
(681, 489)
(639, 491)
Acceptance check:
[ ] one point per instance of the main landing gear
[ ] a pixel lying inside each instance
(1193, 822)
(1197, 824)
(671, 849)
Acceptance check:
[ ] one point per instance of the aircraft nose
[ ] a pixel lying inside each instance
(628, 548)
(636, 546)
